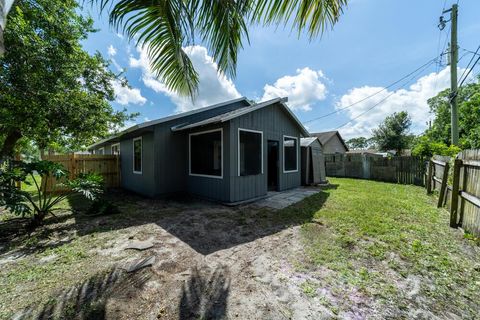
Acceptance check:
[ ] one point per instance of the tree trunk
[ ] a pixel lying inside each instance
(11, 140)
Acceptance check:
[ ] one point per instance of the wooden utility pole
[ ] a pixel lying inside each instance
(453, 73)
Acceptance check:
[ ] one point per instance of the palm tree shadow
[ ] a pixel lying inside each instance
(88, 299)
(205, 294)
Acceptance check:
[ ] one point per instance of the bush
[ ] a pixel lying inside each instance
(41, 203)
(424, 147)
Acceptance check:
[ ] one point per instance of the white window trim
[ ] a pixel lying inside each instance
(190, 155)
(238, 147)
(103, 150)
(133, 155)
(113, 145)
(283, 151)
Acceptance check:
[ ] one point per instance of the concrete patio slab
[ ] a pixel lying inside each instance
(283, 199)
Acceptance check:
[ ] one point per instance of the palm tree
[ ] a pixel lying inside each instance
(164, 27)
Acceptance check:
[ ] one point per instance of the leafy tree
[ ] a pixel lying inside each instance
(423, 146)
(469, 116)
(359, 143)
(166, 26)
(41, 203)
(393, 133)
(5, 6)
(51, 90)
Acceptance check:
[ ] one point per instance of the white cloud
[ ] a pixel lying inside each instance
(303, 89)
(413, 100)
(125, 95)
(111, 51)
(214, 87)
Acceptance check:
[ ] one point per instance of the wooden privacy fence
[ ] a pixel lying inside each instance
(108, 166)
(437, 177)
(462, 197)
(404, 170)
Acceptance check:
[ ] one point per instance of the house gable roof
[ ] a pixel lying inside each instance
(166, 119)
(324, 137)
(240, 112)
(305, 142)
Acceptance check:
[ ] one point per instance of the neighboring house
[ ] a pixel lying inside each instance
(313, 161)
(229, 152)
(331, 141)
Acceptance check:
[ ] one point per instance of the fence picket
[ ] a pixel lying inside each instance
(108, 166)
(404, 170)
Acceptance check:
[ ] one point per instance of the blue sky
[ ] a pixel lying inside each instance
(374, 44)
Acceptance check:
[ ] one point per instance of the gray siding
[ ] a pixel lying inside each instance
(165, 158)
(171, 156)
(208, 187)
(274, 123)
(143, 183)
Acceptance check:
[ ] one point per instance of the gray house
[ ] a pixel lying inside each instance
(331, 141)
(229, 152)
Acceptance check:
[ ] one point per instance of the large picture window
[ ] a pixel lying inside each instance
(250, 147)
(137, 155)
(290, 154)
(206, 154)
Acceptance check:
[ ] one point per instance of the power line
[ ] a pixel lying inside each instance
(471, 51)
(381, 101)
(374, 94)
(469, 71)
(473, 93)
(468, 65)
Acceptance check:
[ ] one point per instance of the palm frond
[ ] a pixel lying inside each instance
(161, 27)
(222, 25)
(164, 26)
(313, 16)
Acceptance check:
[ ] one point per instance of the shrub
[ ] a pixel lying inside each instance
(41, 203)
(425, 147)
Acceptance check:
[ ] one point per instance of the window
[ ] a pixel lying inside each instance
(116, 148)
(100, 151)
(250, 152)
(206, 153)
(290, 154)
(137, 155)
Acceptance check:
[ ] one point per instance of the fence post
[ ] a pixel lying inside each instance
(72, 166)
(429, 176)
(443, 187)
(455, 193)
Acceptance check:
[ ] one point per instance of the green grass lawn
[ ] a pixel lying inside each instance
(385, 242)
(367, 246)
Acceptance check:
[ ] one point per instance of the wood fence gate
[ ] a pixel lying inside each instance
(108, 166)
